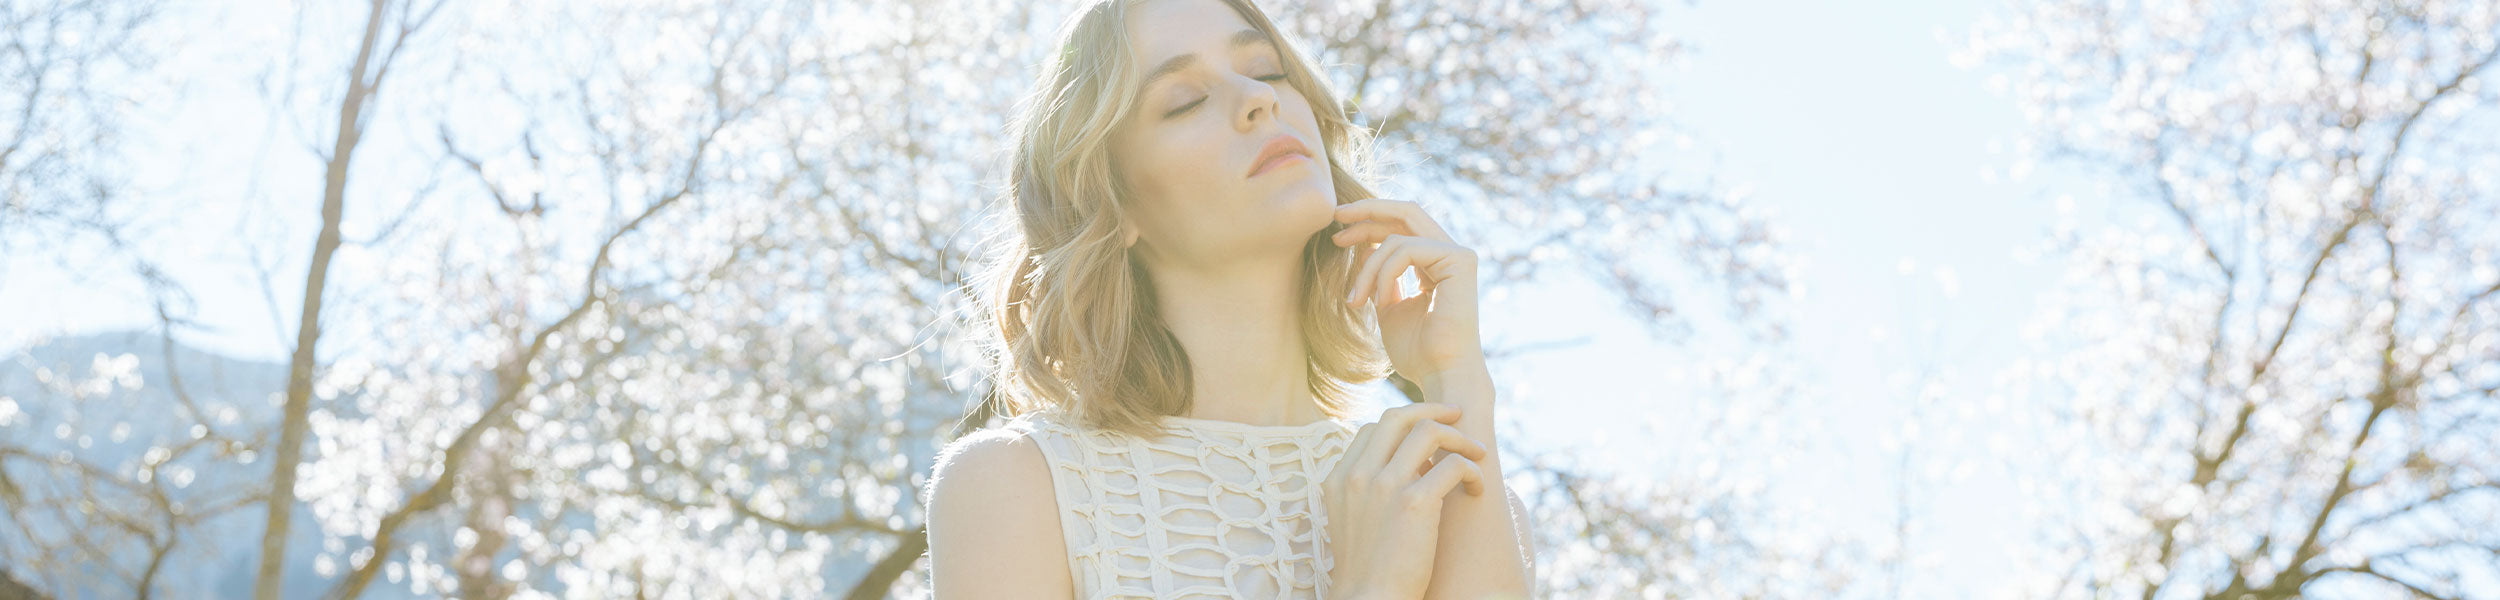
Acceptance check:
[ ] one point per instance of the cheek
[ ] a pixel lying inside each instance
(1166, 166)
(1298, 113)
(1298, 109)
(1178, 158)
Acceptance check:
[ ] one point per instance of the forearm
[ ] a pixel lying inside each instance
(1478, 555)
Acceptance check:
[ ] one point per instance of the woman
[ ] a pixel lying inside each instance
(1181, 317)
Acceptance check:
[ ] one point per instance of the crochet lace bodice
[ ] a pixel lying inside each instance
(1215, 509)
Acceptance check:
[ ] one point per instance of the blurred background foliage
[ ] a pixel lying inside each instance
(664, 298)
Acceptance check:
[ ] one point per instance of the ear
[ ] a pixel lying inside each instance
(1128, 232)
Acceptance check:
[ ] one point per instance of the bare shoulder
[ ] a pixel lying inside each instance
(994, 521)
(988, 466)
(990, 454)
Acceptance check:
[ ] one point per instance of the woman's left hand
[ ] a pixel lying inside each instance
(1434, 330)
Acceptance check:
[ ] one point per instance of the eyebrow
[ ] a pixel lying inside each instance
(1241, 38)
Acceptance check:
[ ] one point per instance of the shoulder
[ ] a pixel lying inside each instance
(1011, 448)
(987, 466)
(991, 504)
(993, 451)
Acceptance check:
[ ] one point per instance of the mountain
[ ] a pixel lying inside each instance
(106, 401)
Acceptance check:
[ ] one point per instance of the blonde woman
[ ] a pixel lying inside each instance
(1191, 294)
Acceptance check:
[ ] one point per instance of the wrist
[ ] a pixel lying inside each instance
(1468, 380)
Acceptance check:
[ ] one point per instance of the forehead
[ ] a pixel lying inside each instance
(1160, 29)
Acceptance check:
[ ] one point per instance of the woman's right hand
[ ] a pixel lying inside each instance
(1384, 500)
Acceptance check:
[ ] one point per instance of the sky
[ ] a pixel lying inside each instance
(1895, 175)
(1892, 172)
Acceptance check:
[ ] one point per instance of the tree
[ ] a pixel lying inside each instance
(107, 502)
(118, 473)
(675, 308)
(2299, 280)
(1537, 127)
(374, 59)
(59, 117)
(619, 220)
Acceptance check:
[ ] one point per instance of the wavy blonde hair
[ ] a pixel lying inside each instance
(1073, 311)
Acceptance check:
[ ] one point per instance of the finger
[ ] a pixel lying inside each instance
(1362, 271)
(1450, 473)
(1347, 459)
(1371, 267)
(1429, 437)
(1431, 271)
(1426, 257)
(1392, 267)
(1365, 232)
(1392, 428)
(1404, 212)
(1362, 253)
(1434, 263)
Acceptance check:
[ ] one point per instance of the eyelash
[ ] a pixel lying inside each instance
(1194, 103)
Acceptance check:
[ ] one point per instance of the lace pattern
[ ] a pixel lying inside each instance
(1216, 509)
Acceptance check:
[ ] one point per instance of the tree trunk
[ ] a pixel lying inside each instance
(308, 330)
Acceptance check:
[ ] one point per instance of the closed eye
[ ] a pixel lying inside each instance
(1194, 103)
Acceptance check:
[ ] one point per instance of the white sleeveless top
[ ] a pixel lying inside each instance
(1216, 509)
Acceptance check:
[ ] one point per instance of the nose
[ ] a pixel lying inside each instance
(1258, 101)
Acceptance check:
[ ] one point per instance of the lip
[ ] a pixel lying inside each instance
(1279, 151)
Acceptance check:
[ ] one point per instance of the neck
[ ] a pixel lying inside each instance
(1241, 324)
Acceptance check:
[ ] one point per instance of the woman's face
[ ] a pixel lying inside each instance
(1214, 98)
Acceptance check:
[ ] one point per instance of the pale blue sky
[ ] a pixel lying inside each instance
(1847, 120)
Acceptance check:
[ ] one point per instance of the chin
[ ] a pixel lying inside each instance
(1310, 208)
